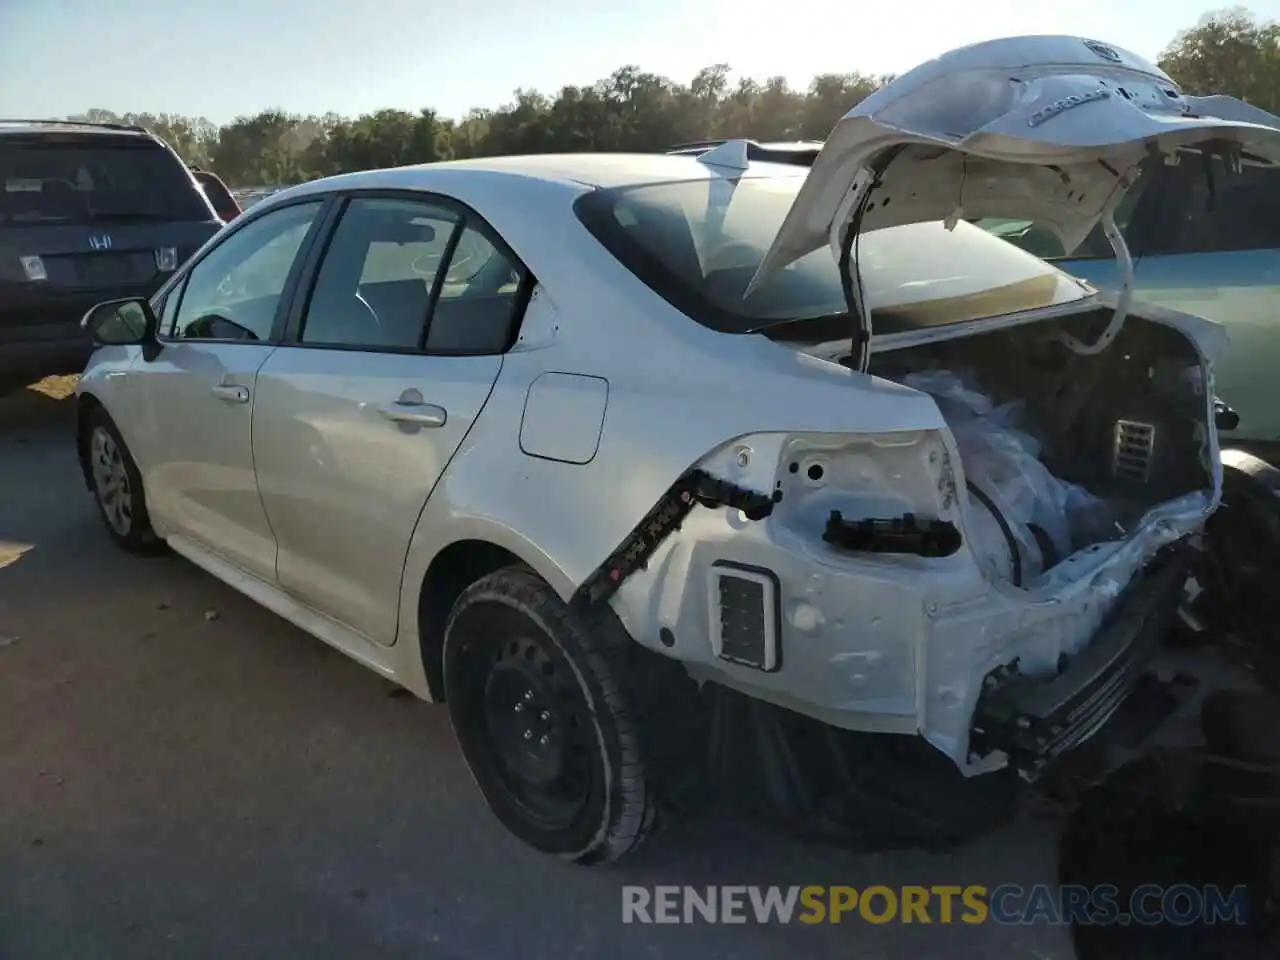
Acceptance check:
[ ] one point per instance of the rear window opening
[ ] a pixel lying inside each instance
(92, 179)
(698, 243)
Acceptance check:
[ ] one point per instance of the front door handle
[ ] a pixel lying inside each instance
(417, 412)
(231, 393)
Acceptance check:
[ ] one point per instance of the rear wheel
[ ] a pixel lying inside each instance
(535, 691)
(117, 486)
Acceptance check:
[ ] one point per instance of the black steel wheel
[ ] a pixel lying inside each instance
(536, 693)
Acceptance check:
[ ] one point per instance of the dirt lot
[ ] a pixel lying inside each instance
(172, 785)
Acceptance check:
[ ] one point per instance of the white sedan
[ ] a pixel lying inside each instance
(546, 437)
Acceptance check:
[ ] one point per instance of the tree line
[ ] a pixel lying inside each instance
(1230, 51)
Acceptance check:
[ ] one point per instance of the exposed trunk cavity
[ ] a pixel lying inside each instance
(1062, 451)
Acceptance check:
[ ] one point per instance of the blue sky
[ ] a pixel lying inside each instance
(234, 57)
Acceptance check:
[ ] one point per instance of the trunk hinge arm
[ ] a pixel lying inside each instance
(1124, 261)
(863, 181)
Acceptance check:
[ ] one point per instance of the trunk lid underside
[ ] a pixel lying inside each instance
(1051, 129)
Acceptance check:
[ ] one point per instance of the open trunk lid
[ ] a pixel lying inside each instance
(1048, 128)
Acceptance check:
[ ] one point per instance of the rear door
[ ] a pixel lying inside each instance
(391, 358)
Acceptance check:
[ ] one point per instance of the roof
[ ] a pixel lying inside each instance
(803, 152)
(593, 170)
(28, 127)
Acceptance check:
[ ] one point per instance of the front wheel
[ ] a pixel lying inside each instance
(117, 486)
(536, 693)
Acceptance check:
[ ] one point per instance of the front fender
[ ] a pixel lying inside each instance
(105, 382)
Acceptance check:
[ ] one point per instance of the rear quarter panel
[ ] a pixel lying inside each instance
(676, 391)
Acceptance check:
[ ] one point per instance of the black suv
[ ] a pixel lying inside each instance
(88, 212)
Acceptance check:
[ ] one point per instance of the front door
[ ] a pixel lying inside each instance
(198, 394)
(355, 423)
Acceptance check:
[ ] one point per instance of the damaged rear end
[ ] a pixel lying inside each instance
(999, 585)
(996, 586)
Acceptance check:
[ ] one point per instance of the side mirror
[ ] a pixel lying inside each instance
(121, 323)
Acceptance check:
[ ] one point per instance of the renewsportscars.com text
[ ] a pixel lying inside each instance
(1148, 905)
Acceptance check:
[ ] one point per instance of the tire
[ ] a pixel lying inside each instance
(117, 486)
(1241, 564)
(536, 694)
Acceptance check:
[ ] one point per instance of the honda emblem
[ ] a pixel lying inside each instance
(100, 241)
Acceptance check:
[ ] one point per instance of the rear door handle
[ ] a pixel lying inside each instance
(231, 393)
(409, 411)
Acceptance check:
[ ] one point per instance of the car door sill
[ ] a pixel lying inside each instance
(337, 635)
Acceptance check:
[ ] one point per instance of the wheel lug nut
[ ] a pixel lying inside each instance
(519, 708)
(528, 734)
(546, 715)
(544, 740)
(528, 696)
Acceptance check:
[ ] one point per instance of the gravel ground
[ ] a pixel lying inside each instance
(178, 786)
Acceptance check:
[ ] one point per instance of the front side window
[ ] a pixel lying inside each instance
(167, 311)
(699, 243)
(234, 292)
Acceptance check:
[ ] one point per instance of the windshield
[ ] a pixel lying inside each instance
(698, 243)
(87, 180)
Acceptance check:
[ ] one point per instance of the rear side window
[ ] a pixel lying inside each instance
(401, 274)
(478, 299)
(86, 179)
(374, 284)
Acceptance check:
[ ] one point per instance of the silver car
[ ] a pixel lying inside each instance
(561, 439)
